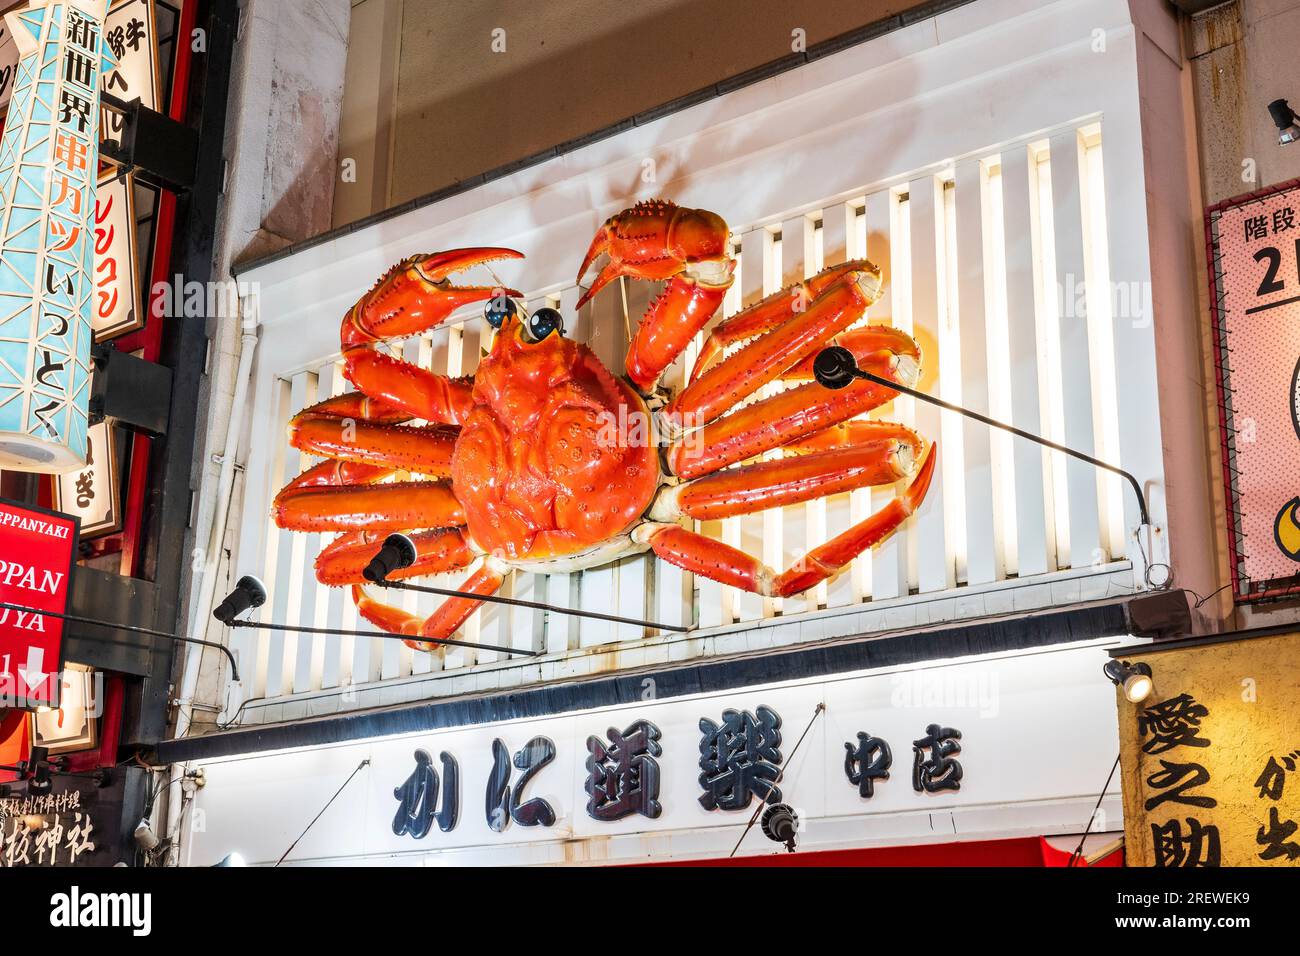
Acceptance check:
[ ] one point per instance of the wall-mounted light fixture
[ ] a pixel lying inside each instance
(398, 552)
(1135, 679)
(249, 592)
(780, 824)
(1285, 118)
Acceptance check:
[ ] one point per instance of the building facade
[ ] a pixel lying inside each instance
(1031, 178)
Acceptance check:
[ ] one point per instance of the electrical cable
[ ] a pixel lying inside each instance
(821, 706)
(364, 763)
(1078, 851)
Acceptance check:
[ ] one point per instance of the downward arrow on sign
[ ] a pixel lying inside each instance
(33, 675)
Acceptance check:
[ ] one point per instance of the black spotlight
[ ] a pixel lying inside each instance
(39, 762)
(1134, 679)
(249, 592)
(398, 552)
(1285, 119)
(835, 367)
(780, 824)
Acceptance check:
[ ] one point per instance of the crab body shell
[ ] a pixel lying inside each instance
(546, 480)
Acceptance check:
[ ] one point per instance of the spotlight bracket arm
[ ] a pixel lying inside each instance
(134, 629)
(851, 369)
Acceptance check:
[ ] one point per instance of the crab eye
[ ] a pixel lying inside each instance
(542, 323)
(498, 309)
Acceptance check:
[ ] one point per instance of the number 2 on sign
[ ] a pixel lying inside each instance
(1271, 282)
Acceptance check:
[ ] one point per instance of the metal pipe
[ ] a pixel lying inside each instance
(211, 544)
(835, 365)
(386, 635)
(132, 628)
(535, 605)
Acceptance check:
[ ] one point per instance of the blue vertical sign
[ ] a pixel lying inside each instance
(49, 160)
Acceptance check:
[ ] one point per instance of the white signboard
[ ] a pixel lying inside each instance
(91, 493)
(116, 307)
(1023, 744)
(73, 726)
(8, 65)
(130, 32)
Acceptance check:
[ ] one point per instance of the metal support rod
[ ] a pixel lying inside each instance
(817, 712)
(234, 668)
(839, 360)
(334, 632)
(536, 605)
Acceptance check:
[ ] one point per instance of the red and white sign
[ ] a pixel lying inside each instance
(37, 549)
(1255, 275)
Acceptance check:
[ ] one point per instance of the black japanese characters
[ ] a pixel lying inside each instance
(740, 758)
(622, 775)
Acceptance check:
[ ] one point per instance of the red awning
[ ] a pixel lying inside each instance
(1023, 851)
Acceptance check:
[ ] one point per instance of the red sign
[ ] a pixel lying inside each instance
(1254, 248)
(37, 550)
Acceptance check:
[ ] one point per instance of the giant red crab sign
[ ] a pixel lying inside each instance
(520, 469)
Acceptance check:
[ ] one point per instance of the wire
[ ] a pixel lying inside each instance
(780, 773)
(1078, 851)
(364, 763)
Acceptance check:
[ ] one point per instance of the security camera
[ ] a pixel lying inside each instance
(1285, 118)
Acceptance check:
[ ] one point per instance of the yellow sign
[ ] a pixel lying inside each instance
(1211, 759)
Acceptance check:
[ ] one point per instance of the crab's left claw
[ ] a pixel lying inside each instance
(416, 295)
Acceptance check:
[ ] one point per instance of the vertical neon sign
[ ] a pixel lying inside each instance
(49, 159)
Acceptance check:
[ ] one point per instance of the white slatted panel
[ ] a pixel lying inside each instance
(882, 214)
(804, 525)
(1076, 376)
(340, 652)
(934, 565)
(969, 272)
(1035, 529)
(281, 470)
(838, 243)
(983, 547)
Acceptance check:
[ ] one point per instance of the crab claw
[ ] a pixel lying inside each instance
(416, 295)
(654, 240)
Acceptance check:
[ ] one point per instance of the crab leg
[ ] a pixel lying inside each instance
(672, 320)
(789, 415)
(881, 454)
(764, 359)
(424, 450)
(387, 507)
(773, 311)
(412, 297)
(342, 562)
(864, 343)
(702, 555)
(442, 623)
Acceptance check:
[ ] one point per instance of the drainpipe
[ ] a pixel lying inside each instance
(211, 544)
